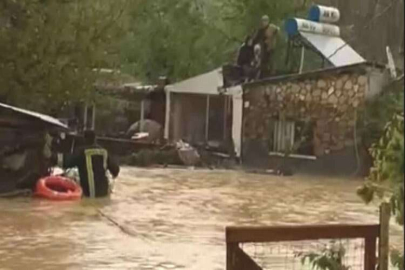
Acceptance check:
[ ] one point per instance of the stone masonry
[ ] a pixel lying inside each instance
(330, 101)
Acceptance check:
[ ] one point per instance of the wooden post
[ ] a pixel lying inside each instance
(225, 116)
(237, 259)
(383, 254)
(287, 58)
(142, 115)
(207, 118)
(370, 253)
(93, 120)
(85, 117)
(230, 255)
(168, 112)
(302, 60)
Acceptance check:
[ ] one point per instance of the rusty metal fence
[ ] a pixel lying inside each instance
(302, 247)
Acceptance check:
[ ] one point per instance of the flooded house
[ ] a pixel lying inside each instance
(200, 110)
(128, 101)
(135, 102)
(314, 114)
(119, 101)
(310, 120)
(25, 143)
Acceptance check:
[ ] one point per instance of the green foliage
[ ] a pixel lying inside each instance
(384, 129)
(397, 260)
(374, 119)
(169, 38)
(182, 38)
(386, 176)
(330, 258)
(49, 49)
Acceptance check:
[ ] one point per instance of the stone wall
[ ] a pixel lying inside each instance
(330, 101)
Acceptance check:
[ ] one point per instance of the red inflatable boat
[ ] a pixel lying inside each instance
(58, 188)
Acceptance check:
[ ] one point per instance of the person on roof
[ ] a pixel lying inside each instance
(92, 162)
(246, 57)
(266, 37)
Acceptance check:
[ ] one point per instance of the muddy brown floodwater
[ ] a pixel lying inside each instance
(176, 218)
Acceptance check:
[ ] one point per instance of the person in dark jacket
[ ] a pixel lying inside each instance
(246, 57)
(266, 37)
(92, 162)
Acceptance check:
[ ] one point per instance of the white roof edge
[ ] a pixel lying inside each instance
(45, 118)
(207, 83)
(219, 70)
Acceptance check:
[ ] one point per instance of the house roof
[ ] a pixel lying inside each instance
(107, 79)
(121, 85)
(360, 67)
(133, 91)
(38, 116)
(207, 83)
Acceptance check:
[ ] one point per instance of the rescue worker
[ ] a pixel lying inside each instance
(92, 162)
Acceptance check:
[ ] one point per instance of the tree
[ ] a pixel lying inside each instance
(171, 39)
(373, 119)
(49, 49)
(386, 178)
(182, 38)
(330, 258)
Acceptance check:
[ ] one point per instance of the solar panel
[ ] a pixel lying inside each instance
(334, 49)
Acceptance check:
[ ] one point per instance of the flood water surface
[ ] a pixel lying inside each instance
(169, 219)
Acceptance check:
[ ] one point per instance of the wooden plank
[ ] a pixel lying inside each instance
(230, 256)
(142, 116)
(299, 233)
(125, 141)
(297, 156)
(237, 259)
(93, 120)
(225, 117)
(383, 254)
(370, 253)
(86, 111)
(207, 118)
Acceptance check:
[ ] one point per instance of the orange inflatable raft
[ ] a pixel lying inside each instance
(58, 188)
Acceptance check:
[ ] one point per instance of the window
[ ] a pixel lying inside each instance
(284, 134)
(289, 134)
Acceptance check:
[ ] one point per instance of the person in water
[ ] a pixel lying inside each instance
(92, 162)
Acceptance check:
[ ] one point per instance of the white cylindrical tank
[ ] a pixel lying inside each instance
(293, 26)
(318, 13)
